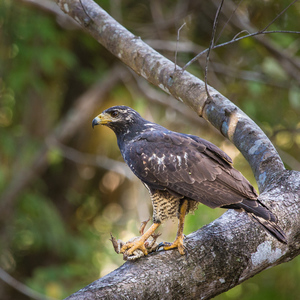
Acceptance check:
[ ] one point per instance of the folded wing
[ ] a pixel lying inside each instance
(188, 166)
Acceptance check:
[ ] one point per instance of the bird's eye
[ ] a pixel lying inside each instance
(114, 114)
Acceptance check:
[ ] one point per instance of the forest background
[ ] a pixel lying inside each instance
(64, 186)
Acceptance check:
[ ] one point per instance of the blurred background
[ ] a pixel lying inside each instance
(64, 187)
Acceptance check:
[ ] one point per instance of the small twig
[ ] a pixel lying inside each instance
(212, 44)
(239, 33)
(178, 33)
(236, 40)
(254, 34)
(263, 31)
(231, 15)
(155, 96)
(290, 64)
(279, 15)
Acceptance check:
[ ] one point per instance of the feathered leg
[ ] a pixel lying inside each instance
(178, 243)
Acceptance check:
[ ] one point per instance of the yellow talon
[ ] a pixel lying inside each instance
(129, 248)
(178, 243)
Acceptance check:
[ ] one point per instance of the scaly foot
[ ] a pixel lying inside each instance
(139, 244)
(178, 243)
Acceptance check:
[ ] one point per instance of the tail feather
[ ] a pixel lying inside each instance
(263, 215)
(258, 209)
(272, 228)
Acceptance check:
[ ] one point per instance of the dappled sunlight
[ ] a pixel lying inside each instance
(110, 181)
(101, 225)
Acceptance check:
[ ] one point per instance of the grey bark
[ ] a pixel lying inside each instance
(229, 250)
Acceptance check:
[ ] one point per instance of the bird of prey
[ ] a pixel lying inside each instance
(180, 170)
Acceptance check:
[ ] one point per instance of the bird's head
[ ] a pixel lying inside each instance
(118, 118)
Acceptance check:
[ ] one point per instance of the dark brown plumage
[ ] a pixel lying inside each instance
(181, 170)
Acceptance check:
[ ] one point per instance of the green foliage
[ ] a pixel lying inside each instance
(56, 238)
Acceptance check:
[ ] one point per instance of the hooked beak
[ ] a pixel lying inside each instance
(101, 119)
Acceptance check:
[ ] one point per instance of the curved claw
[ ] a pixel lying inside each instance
(143, 225)
(178, 243)
(162, 245)
(129, 248)
(135, 255)
(139, 243)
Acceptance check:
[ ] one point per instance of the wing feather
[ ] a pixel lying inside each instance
(188, 166)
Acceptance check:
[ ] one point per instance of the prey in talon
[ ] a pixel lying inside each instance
(149, 246)
(181, 170)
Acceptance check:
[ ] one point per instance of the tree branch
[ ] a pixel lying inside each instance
(231, 249)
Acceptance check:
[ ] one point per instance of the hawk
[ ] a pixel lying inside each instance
(180, 170)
